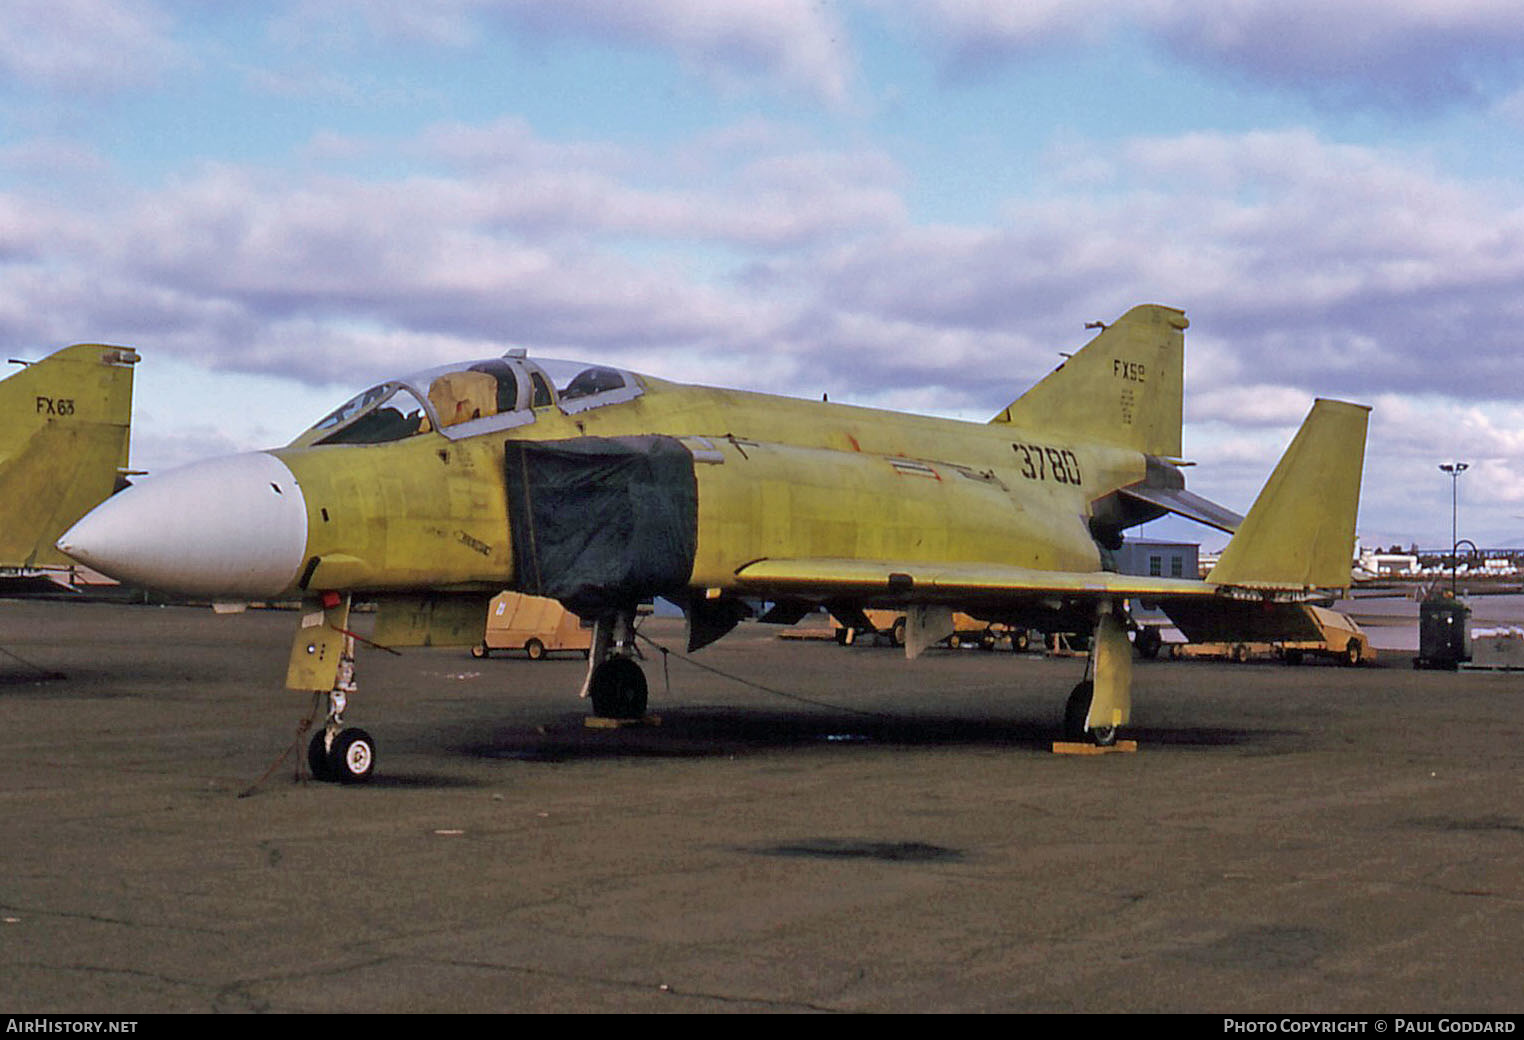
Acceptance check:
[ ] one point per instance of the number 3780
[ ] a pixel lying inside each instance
(1040, 462)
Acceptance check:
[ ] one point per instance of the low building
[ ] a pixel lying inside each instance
(1389, 564)
(1159, 559)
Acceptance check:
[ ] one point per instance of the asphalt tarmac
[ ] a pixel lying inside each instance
(861, 835)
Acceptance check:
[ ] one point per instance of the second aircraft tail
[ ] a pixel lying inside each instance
(64, 425)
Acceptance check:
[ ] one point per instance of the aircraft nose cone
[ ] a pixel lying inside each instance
(224, 528)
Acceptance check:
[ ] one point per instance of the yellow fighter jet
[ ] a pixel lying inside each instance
(602, 489)
(64, 426)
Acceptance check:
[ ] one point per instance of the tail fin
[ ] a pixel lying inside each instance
(64, 425)
(1125, 387)
(1300, 532)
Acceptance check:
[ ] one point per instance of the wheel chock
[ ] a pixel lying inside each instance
(603, 722)
(1068, 747)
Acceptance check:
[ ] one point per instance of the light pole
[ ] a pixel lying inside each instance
(1455, 469)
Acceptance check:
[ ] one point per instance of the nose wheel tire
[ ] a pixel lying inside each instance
(351, 760)
(353, 756)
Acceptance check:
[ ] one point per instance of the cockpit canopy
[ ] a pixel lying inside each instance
(471, 397)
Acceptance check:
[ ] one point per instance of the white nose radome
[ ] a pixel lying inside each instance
(229, 527)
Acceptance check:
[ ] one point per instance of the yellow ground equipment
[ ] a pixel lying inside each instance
(1323, 633)
(533, 624)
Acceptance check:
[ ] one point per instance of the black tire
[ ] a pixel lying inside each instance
(1020, 641)
(1352, 653)
(619, 689)
(1292, 657)
(897, 633)
(955, 641)
(353, 758)
(1147, 642)
(1240, 653)
(317, 757)
(1076, 709)
(1075, 712)
(480, 650)
(535, 649)
(987, 640)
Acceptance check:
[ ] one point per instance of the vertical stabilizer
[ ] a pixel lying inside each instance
(64, 425)
(1301, 531)
(1126, 387)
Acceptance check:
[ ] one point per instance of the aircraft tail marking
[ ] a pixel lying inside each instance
(1125, 387)
(64, 425)
(1301, 529)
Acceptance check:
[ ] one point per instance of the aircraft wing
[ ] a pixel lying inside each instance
(872, 580)
(1204, 611)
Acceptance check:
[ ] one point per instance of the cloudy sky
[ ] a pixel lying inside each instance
(909, 205)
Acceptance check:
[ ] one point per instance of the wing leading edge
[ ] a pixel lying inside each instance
(901, 582)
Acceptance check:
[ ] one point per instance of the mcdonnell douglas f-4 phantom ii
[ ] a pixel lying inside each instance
(64, 426)
(603, 489)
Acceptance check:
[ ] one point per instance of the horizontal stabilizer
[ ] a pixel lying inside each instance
(1191, 506)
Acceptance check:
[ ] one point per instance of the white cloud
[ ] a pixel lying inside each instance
(84, 46)
(1249, 405)
(1384, 53)
(1304, 265)
(795, 44)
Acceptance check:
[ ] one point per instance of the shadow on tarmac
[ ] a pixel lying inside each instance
(700, 733)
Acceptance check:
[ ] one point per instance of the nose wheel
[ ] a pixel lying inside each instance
(336, 753)
(324, 647)
(348, 757)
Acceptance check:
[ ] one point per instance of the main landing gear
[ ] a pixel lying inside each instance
(1102, 703)
(615, 682)
(1077, 713)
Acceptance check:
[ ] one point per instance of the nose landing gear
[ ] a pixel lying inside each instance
(324, 653)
